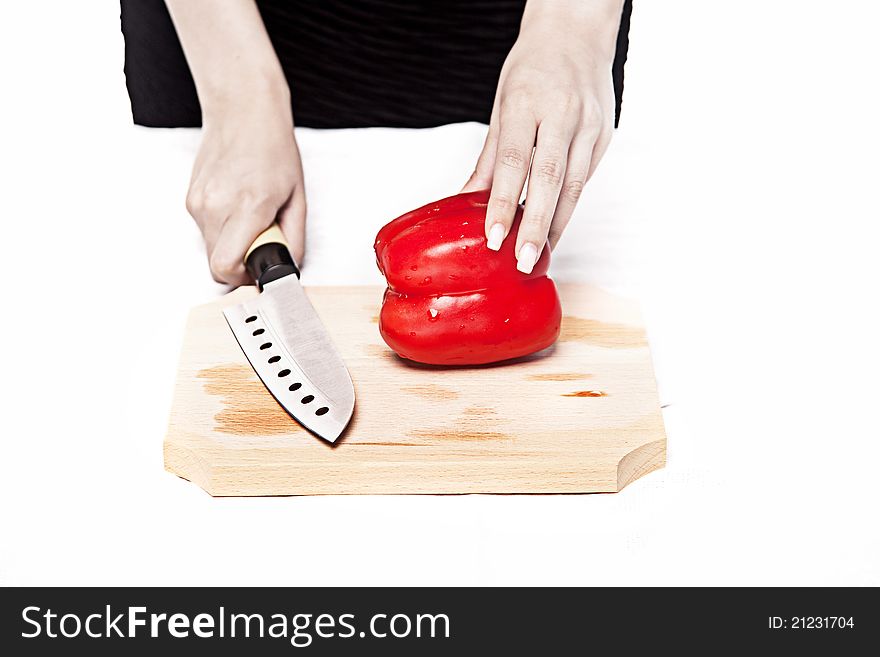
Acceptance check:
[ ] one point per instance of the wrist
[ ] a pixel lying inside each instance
(591, 24)
(244, 100)
(241, 96)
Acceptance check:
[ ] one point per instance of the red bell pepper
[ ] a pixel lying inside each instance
(453, 301)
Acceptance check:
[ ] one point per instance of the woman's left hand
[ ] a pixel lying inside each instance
(555, 95)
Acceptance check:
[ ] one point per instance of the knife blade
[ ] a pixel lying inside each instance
(287, 345)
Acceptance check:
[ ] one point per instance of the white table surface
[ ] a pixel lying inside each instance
(749, 235)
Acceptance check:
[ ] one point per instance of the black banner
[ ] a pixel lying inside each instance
(109, 621)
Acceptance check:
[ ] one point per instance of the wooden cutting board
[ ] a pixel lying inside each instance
(579, 417)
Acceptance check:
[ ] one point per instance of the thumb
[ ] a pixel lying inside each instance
(483, 173)
(292, 220)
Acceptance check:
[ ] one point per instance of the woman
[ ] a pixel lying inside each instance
(256, 65)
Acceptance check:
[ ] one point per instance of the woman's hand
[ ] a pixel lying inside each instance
(247, 174)
(555, 95)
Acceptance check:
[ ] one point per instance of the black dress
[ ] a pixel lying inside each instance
(350, 63)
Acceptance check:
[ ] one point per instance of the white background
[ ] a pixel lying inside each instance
(739, 203)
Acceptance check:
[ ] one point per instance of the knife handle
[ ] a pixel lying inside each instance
(268, 258)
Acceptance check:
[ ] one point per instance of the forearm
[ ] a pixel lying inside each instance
(231, 58)
(595, 21)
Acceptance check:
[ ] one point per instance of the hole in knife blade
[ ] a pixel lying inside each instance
(259, 331)
(252, 318)
(322, 410)
(283, 373)
(307, 399)
(295, 386)
(274, 359)
(265, 345)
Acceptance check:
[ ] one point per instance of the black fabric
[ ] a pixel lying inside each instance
(350, 63)
(620, 59)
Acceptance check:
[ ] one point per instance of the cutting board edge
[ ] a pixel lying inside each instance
(189, 462)
(641, 461)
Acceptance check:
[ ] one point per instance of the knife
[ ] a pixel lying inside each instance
(286, 343)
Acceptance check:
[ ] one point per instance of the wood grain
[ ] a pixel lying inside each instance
(579, 417)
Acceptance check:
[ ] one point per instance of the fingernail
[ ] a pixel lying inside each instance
(528, 256)
(496, 236)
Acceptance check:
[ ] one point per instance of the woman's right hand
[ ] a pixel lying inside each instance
(246, 175)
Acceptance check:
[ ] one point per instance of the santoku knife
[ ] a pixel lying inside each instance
(287, 345)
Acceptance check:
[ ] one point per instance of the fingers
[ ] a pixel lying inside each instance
(481, 178)
(548, 170)
(579, 159)
(584, 156)
(241, 229)
(513, 155)
(292, 219)
(599, 149)
(238, 233)
(208, 211)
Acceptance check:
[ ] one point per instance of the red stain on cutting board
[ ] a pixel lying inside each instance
(248, 408)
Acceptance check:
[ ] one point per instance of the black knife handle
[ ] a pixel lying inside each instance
(269, 258)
